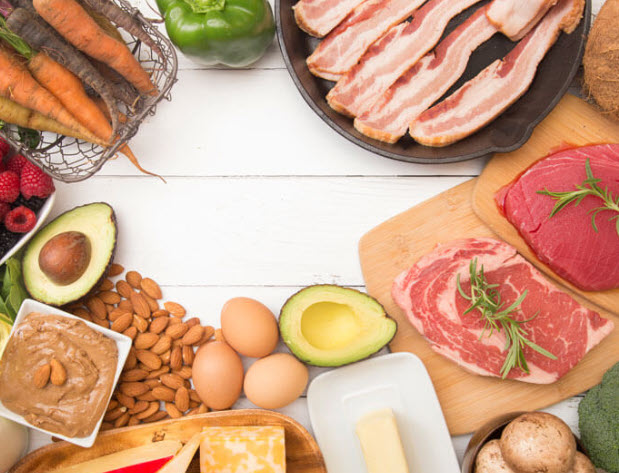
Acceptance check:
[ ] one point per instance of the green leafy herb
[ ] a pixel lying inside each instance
(31, 138)
(588, 187)
(486, 299)
(12, 291)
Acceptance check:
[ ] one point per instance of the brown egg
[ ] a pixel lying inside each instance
(275, 381)
(249, 327)
(65, 257)
(217, 375)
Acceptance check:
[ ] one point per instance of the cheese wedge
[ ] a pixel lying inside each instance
(180, 463)
(381, 443)
(243, 450)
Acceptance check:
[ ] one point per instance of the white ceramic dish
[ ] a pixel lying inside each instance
(123, 344)
(41, 217)
(338, 398)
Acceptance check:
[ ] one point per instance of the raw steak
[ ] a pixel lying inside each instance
(428, 294)
(567, 242)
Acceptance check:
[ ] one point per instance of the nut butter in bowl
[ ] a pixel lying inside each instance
(58, 372)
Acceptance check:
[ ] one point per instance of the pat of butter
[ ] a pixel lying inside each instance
(381, 443)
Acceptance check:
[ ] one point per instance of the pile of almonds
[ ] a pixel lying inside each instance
(156, 380)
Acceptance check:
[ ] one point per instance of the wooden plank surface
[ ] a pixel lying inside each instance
(468, 400)
(572, 122)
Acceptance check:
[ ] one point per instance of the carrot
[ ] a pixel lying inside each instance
(10, 112)
(42, 37)
(76, 26)
(18, 85)
(122, 89)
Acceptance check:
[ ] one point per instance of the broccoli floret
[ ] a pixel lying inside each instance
(598, 421)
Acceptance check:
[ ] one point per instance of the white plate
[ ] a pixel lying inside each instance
(41, 217)
(337, 400)
(123, 344)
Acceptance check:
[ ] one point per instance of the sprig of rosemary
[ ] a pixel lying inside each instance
(588, 187)
(487, 300)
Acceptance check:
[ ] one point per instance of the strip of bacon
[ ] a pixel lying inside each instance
(345, 45)
(392, 55)
(422, 85)
(494, 89)
(515, 18)
(319, 17)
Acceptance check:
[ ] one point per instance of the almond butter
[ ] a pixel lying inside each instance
(133, 389)
(140, 306)
(139, 323)
(153, 305)
(172, 381)
(160, 313)
(132, 361)
(163, 344)
(149, 358)
(122, 420)
(96, 307)
(193, 335)
(156, 417)
(131, 332)
(176, 359)
(175, 309)
(184, 372)
(135, 374)
(163, 393)
(122, 323)
(149, 411)
(134, 278)
(157, 373)
(126, 305)
(147, 397)
(128, 402)
(140, 406)
(41, 376)
(177, 330)
(58, 374)
(173, 411)
(114, 414)
(116, 270)
(188, 355)
(159, 324)
(151, 288)
(181, 399)
(133, 421)
(109, 297)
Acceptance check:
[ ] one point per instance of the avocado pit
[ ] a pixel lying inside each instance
(65, 257)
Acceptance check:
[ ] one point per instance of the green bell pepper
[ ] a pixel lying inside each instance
(231, 32)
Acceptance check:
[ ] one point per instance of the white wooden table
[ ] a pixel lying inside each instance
(262, 197)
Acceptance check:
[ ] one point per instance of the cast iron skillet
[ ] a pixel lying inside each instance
(507, 133)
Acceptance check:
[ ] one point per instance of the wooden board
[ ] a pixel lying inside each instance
(468, 400)
(572, 122)
(302, 452)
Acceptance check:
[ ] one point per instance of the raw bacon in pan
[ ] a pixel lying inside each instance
(388, 118)
(319, 17)
(515, 18)
(393, 54)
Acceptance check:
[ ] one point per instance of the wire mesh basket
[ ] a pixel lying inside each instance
(71, 160)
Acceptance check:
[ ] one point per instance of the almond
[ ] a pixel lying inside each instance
(202, 409)
(149, 358)
(145, 340)
(133, 421)
(140, 306)
(157, 416)
(134, 278)
(149, 411)
(113, 404)
(41, 376)
(163, 344)
(174, 321)
(193, 395)
(96, 307)
(160, 313)
(153, 305)
(172, 381)
(122, 420)
(106, 285)
(126, 401)
(181, 399)
(191, 412)
(132, 361)
(163, 393)
(177, 330)
(101, 322)
(131, 332)
(175, 309)
(139, 323)
(114, 414)
(82, 313)
(173, 411)
(58, 374)
(133, 389)
(109, 297)
(208, 334)
(157, 373)
(126, 305)
(104, 426)
(165, 357)
(176, 359)
(192, 322)
(152, 383)
(147, 397)
(193, 404)
(188, 355)
(151, 288)
(139, 406)
(219, 336)
(122, 323)
(184, 372)
(109, 308)
(116, 270)
(124, 289)
(193, 335)
(116, 314)
(159, 324)
(135, 374)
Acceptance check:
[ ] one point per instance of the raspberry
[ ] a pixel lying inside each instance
(16, 163)
(4, 148)
(34, 182)
(4, 209)
(9, 186)
(20, 220)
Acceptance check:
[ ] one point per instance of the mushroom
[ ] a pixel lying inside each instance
(537, 442)
(582, 464)
(490, 460)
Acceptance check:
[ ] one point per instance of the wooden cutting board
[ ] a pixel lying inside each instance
(572, 122)
(302, 452)
(468, 400)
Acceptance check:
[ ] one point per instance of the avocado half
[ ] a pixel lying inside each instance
(328, 325)
(97, 222)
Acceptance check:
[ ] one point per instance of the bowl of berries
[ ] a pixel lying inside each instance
(26, 198)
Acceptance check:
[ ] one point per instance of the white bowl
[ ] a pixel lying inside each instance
(41, 217)
(123, 344)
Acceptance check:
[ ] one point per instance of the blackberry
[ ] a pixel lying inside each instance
(33, 203)
(7, 240)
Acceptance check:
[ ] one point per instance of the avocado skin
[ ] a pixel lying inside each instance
(88, 289)
(307, 358)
